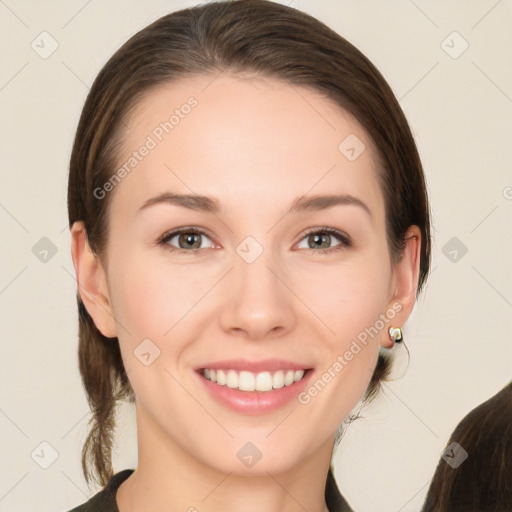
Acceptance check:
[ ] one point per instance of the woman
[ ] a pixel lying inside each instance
(250, 230)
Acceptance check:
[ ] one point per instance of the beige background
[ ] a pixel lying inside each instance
(459, 335)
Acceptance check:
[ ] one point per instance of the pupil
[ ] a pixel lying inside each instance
(189, 239)
(318, 238)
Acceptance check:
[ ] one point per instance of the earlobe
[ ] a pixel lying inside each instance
(92, 282)
(406, 275)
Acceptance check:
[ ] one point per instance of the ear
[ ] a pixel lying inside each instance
(92, 282)
(404, 284)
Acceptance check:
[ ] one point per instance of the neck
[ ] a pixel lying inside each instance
(169, 479)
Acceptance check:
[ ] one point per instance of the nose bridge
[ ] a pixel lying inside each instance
(253, 271)
(258, 302)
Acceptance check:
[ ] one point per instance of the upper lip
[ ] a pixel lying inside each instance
(254, 366)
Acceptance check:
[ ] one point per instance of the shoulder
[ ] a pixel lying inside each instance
(105, 500)
(333, 498)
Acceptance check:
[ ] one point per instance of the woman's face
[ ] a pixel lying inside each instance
(257, 283)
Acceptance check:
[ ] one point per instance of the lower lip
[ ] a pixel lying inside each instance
(255, 402)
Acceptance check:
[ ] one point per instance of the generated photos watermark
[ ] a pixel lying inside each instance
(157, 135)
(342, 360)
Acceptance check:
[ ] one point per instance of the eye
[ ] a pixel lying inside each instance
(188, 239)
(320, 238)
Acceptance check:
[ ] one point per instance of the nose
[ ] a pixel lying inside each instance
(259, 300)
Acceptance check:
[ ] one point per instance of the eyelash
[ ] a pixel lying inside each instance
(339, 235)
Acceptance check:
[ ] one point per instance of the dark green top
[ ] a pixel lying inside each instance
(105, 500)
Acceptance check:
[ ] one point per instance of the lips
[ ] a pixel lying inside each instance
(255, 402)
(277, 382)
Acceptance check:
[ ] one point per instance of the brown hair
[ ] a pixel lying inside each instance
(482, 482)
(239, 35)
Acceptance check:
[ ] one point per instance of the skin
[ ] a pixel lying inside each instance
(255, 145)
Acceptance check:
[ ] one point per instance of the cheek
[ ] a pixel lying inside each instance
(350, 305)
(148, 300)
(149, 297)
(347, 298)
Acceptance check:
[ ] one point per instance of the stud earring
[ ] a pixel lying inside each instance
(395, 333)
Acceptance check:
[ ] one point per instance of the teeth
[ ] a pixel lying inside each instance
(248, 381)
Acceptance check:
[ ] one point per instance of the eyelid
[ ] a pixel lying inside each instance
(163, 239)
(327, 229)
(344, 239)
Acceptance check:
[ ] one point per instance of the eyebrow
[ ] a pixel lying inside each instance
(210, 204)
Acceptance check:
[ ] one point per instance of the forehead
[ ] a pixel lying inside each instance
(244, 138)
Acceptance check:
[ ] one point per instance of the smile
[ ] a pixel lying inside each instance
(249, 381)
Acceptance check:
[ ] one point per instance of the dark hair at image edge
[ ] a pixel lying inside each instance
(256, 36)
(482, 482)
